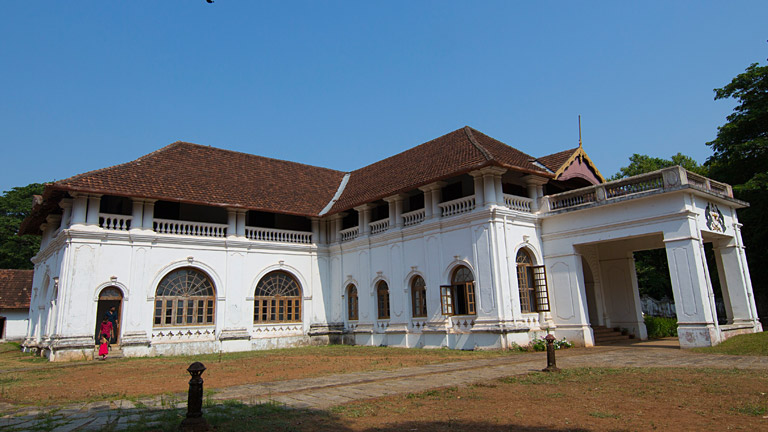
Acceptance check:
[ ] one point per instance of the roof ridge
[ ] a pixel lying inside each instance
(486, 154)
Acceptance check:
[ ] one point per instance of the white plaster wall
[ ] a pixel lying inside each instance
(16, 322)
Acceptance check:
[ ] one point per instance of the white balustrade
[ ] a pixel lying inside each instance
(278, 235)
(662, 180)
(457, 206)
(115, 222)
(197, 229)
(414, 217)
(349, 233)
(518, 203)
(379, 226)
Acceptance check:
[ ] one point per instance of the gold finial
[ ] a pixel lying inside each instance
(579, 130)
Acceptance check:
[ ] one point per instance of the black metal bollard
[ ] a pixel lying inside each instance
(551, 363)
(195, 421)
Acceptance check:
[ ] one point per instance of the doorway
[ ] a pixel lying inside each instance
(109, 297)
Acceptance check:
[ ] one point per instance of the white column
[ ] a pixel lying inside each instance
(315, 230)
(363, 218)
(477, 176)
(66, 215)
(231, 222)
(489, 189)
(499, 189)
(79, 208)
(535, 185)
(427, 202)
(137, 214)
(149, 215)
(240, 231)
(92, 217)
(731, 270)
(437, 196)
(395, 203)
(337, 224)
(696, 325)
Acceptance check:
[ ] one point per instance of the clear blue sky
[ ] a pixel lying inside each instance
(89, 84)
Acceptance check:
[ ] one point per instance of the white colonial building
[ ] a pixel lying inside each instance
(461, 242)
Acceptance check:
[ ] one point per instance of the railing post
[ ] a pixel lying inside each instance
(194, 420)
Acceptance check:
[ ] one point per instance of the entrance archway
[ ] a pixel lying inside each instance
(109, 297)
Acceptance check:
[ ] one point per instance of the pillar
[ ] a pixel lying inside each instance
(137, 214)
(427, 202)
(79, 208)
(696, 326)
(231, 222)
(240, 223)
(731, 266)
(363, 218)
(477, 176)
(395, 203)
(149, 215)
(66, 215)
(315, 230)
(92, 216)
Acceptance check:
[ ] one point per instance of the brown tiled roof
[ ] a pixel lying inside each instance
(455, 153)
(205, 175)
(15, 288)
(556, 160)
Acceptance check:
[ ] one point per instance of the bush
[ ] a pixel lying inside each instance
(540, 344)
(660, 327)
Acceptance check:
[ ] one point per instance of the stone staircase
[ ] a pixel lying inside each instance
(114, 352)
(605, 335)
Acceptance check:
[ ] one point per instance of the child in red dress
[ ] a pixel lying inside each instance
(103, 347)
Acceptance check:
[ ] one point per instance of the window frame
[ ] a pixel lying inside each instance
(277, 308)
(352, 305)
(459, 298)
(532, 284)
(184, 310)
(383, 311)
(418, 297)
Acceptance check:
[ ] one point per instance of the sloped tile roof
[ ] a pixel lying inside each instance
(455, 153)
(205, 175)
(556, 160)
(15, 288)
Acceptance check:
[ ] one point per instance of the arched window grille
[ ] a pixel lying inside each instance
(459, 297)
(532, 283)
(382, 295)
(352, 304)
(419, 296)
(277, 299)
(184, 297)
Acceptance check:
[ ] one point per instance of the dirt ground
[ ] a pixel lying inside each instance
(25, 379)
(579, 399)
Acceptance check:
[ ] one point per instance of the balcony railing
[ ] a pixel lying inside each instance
(349, 233)
(457, 206)
(115, 222)
(414, 217)
(514, 202)
(662, 180)
(278, 235)
(379, 226)
(197, 229)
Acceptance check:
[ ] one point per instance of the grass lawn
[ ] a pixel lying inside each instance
(27, 379)
(593, 399)
(748, 344)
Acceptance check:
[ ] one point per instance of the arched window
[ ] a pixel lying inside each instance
(277, 299)
(532, 283)
(382, 295)
(352, 302)
(419, 296)
(184, 297)
(459, 297)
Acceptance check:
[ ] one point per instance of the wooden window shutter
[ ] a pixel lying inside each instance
(446, 299)
(540, 284)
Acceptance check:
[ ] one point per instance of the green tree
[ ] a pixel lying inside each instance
(640, 164)
(15, 205)
(741, 159)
